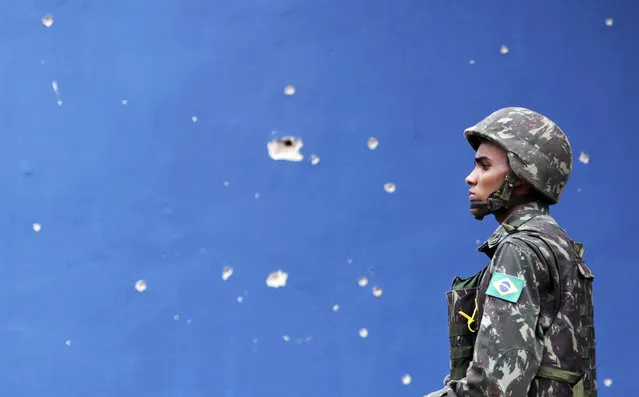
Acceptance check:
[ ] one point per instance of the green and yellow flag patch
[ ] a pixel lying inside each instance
(506, 287)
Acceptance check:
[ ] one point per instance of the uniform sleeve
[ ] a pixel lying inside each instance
(509, 346)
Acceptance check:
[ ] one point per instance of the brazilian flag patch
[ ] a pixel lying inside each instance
(506, 287)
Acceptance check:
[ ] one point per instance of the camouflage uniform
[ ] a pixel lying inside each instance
(523, 325)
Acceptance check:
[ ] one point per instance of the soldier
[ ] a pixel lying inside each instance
(523, 325)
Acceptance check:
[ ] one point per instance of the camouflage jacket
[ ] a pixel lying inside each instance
(534, 308)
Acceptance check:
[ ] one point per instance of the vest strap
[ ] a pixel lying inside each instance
(559, 374)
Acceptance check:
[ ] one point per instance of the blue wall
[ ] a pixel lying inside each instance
(136, 190)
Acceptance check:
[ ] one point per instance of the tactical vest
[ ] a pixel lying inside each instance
(572, 299)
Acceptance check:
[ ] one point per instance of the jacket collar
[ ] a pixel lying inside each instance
(520, 215)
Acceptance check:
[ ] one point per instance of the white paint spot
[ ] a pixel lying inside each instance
(289, 90)
(363, 332)
(372, 143)
(609, 21)
(68, 342)
(362, 282)
(504, 49)
(288, 148)
(37, 227)
(584, 158)
(390, 187)
(335, 308)
(47, 21)
(194, 119)
(226, 273)
(141, 286)
(607, 382)
(315, 159)
(406, 379)
(277, 279)
(377, 291)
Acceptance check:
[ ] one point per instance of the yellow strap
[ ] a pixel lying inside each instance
(471, 319)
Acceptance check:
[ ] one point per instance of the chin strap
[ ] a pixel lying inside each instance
(500, 198)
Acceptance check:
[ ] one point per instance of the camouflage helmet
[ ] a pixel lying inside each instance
(538, 150)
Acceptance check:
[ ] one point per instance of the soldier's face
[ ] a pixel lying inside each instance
(491, 167)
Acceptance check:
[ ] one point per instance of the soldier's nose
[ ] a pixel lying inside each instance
(470, 179)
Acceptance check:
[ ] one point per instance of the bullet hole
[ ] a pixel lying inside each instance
(607, 382)
(47, 21)
(56, 90)
(472, 62)
(286, 338)
(68, 342)
(335, 308)
(125, 101)
(141, 286)
(362, 282)
(390, 187)
(609, 21)
(406, 379)
(240, 299)
(226, 273)
(315, 159)
(288, 148)
(372, 143)
(277, 279)
(37, 227)
(194, 119)
(363, 332)
(377, 291)
(289, 90)
(504, 49)
(584, 158)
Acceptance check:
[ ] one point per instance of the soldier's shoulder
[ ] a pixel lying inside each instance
(537, 232)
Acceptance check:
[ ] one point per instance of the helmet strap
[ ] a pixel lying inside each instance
(499, 199)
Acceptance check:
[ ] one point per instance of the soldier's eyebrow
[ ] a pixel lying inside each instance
(481, 159)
